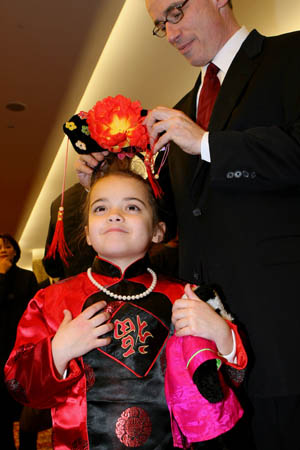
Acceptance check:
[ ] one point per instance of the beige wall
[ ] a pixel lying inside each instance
(269, 16)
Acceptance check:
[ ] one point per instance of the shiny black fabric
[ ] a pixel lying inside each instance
(125, 391)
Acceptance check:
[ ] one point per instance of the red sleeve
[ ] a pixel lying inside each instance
(29, 372)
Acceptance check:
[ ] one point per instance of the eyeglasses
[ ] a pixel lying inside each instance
(174, 15)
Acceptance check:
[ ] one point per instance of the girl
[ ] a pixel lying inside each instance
(91, 347)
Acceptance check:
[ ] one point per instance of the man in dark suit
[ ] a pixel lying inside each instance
(236, 190)
(236, 194)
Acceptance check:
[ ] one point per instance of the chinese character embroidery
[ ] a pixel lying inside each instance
(125, 330)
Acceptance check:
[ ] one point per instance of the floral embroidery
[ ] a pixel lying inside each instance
(85, 130)
(81, 145)
(71, 126)
(133, 428)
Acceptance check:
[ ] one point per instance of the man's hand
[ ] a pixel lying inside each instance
(175, 126)
(192, 316)
(76, 337)
(85, 165)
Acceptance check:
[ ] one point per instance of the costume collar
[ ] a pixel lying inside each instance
(109, 269)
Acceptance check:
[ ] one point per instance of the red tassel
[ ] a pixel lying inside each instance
(58, 244)
(157, 190)
(149, 164)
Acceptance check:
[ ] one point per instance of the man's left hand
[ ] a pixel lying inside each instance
(165, 125)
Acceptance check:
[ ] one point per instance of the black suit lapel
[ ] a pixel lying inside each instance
(233, 86)
(236, 80)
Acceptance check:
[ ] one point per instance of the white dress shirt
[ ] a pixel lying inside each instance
(222, 60)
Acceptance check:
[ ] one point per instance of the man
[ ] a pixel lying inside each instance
(236, 190)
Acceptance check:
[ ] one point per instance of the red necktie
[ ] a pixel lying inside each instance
(208, 95)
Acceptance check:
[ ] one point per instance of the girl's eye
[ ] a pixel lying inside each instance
(99, 209)
(133, 208)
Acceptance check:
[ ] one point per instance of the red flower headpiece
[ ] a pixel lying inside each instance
(115, 123)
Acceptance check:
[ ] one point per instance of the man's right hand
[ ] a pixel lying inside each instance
(85, 165)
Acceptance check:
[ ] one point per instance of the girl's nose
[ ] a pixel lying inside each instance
(115, 217)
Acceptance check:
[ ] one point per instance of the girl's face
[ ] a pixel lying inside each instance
(120, 222)
(7, 250)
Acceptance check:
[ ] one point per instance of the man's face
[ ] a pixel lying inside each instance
(201, 32)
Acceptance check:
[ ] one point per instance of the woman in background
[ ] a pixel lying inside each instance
(17, 287)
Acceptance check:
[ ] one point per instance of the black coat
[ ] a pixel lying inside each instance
(239, 217)
(17, 287)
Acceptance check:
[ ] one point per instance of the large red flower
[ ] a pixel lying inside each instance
(116, 123)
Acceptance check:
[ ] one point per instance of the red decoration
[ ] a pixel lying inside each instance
(133, 428)
(116, 123)
(58, 243)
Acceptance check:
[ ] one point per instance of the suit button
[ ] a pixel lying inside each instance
(229, 175)
(197, 212)
(245, 174)
(196, 276)
(237, 174)
(253, 175)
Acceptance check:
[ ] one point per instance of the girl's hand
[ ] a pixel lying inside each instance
(192, 316)
(76, 337)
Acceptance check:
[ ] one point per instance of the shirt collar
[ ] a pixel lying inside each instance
(226, 55)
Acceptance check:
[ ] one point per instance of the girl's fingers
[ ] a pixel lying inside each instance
(93, 309)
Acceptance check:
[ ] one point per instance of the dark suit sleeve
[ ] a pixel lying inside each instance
(258, 148)
(262, 158)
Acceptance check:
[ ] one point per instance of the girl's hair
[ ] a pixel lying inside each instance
(120, 168)
(7, 238)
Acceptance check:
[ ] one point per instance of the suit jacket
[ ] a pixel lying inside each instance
(239, 217)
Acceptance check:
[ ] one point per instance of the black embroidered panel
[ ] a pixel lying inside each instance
(137, 339)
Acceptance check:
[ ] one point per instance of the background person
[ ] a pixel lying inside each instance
(17, 287)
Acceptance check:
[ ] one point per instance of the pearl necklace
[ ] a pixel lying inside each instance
(124, 297)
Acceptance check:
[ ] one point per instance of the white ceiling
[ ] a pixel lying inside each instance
(61, 57)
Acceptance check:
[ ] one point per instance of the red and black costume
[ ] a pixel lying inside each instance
(113, 397)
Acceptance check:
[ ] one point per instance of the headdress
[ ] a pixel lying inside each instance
(114, 124)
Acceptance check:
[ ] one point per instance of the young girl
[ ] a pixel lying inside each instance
(91, 347)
